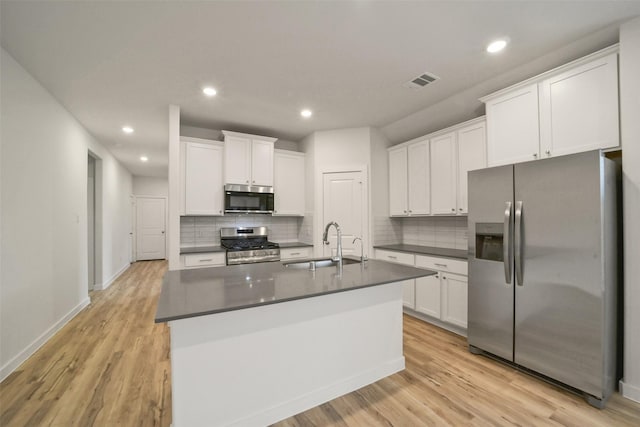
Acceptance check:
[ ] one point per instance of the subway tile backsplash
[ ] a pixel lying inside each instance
(205, 230)
(441, 232)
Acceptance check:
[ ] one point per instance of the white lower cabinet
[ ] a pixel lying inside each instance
(454, 299)
(408, 286)
(287, 254)
(208, 259)
(443, 296)
(409, 293)
(428, 295)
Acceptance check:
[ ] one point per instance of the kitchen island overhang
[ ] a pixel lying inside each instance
(264, 342)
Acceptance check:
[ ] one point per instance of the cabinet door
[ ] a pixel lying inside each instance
(418, 178)
(428, 295)
(408, 294)
(443, 174)
(237, 160)
(262, 163)
(203, 179)
(472, 154)
(288, 183)
(579, 109)
(454, 299)
(513, 127)
(398, 182)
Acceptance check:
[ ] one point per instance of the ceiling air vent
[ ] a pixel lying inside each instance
(421, 81)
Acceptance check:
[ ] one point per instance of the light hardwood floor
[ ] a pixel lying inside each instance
(110, 366)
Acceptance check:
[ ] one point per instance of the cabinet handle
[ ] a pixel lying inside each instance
(535, 155)
(453, 209)
(295, 253)
(460, 209)
(220, 211)
(404, 211)
(548, 152)
(392, 257)
(410, 211)
(441, 265)
(205, 260)
(247, 181)
(444, 277)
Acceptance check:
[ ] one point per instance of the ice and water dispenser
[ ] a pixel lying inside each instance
(489, 241)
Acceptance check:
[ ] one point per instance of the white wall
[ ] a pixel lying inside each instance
(43, 251)
(630, 127)
(150, 186)
(333, 150)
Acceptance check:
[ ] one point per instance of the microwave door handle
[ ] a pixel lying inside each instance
(506, 243)
(517, 243)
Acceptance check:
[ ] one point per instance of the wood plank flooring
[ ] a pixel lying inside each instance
(110, 367)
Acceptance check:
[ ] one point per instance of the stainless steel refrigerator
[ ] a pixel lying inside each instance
(543, 269)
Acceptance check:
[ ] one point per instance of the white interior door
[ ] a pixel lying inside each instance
(150, 228)
(343, 200)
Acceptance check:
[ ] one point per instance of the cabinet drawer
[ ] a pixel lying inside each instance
(448, 265)
(211, 259)
(296, 253)
(396, 257)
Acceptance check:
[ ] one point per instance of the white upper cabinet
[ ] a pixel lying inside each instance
(288, 183)
(418, 178)
(567, 110)
(203, 186)
(443, 174)
(428, 175)
(472, 155)
(248, 159)
(512, 127)
(409, 179)
(398, 178)
(579, 108)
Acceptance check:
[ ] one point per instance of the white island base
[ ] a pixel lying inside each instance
(256, 366)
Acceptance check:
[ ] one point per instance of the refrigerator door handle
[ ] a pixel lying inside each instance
(517, 242)
(506, 243)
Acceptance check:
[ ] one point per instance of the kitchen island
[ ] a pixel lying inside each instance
(256, 343)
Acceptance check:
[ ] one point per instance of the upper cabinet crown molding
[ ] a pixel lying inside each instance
(248, 135)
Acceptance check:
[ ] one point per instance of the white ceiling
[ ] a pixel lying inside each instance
(114, 63)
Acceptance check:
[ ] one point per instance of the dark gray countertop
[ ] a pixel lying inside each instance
(201, 249)
(294, 245)
(426, 250)
(203, 291)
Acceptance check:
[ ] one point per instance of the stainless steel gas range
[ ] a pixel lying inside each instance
(247, 245)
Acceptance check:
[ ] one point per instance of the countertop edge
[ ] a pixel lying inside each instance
(428, 250)
(260, 304)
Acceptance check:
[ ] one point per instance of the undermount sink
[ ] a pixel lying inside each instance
(319, 263)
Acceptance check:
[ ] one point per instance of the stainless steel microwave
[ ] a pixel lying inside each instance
(248, 199)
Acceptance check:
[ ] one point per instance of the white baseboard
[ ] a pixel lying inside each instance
(320, 396)
(103, 286)
(19, 359)
(629, 391)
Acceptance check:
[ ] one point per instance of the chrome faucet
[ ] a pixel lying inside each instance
(325, 239)
(362, 257)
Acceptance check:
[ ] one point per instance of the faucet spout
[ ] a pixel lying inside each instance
(325, 239)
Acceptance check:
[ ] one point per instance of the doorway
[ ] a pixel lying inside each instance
(91, 221)
(151, 220)
(94, 221)
(345, 202)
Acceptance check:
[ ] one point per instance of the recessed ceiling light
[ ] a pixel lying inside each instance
(144, 158)
(209, 91)
(496, 46)
(127, 129)
(306, 113)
